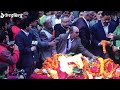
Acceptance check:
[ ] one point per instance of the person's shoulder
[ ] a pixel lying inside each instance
(2, 48)
(21, 33)
(75, 19)
(96, 25)
(32, 30)
(112, 23)
(118, 27)
(78, 39)
(57, 25)
(42, 31)
(62, 35)
(78, 19)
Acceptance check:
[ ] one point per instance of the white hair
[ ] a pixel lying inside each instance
(46, 18)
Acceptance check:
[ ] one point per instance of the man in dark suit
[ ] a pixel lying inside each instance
(84, 29)
(100, 31)
(28, 52)
(71, 43)
(62, 27)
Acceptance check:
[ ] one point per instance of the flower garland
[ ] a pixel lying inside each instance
(61, 66)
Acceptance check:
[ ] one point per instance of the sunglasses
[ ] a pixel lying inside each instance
(76, 32)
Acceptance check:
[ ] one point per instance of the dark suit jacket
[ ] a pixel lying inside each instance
(84, 32)
(26, 55)
(59, 30)
(99, 33)
(76, 46)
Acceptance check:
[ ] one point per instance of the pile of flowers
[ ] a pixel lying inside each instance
(62, 66)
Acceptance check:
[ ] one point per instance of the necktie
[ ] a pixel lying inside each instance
(67, 46)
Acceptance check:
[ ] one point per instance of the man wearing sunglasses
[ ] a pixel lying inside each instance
(71, 43)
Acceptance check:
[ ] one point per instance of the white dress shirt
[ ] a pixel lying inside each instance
(105, 29)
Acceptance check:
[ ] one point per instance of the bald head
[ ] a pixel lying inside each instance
(74, 32)
(75, 29)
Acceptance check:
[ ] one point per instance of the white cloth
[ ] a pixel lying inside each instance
(55, 20)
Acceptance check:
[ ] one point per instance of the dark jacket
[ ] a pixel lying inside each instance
(98, 35)
(59, 30)
(84, 32)
(27, 57)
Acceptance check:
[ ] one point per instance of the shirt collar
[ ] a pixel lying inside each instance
(26, 33)
(86, 21)
(70, 38)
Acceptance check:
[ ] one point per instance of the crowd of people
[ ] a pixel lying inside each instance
(26, 42)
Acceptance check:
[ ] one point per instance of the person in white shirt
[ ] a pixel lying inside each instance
(56, 19)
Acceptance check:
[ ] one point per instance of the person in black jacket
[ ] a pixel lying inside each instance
(84, 29)
(28, 49)
(62, 28)
(100, 32)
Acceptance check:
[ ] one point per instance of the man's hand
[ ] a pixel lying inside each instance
(52, 43)
(110, 35)
(115, 49)
(15, 47)
(94, 57)
(107, 43)
(33, 48)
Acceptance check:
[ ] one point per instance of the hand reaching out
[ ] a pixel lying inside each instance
(110, 35)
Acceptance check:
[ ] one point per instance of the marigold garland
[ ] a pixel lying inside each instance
(99, 68)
